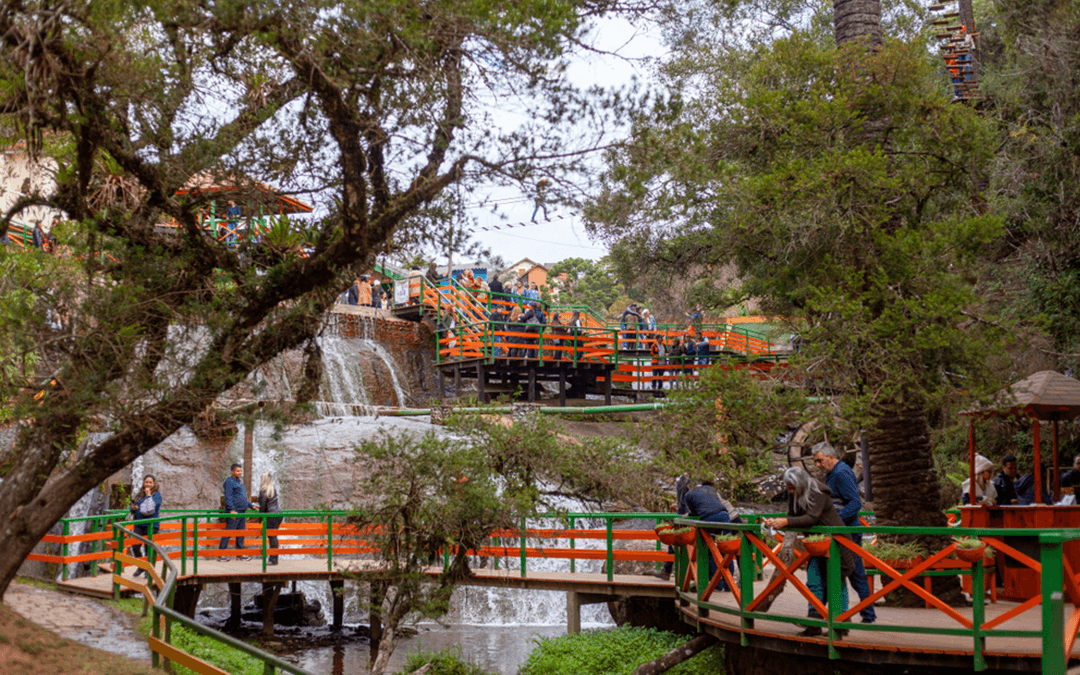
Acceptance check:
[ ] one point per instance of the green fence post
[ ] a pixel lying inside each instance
(573, 562)
(610, 549)
(64, 552)
(95, 527)
(522, 533)
(834, 587)
(330, 543)
(155, 658)
(978, 613)
(702, 567)
(1053, 613)
(118, 567)
(746, 583)
(262, 519)
(183, 545)
(195, 545)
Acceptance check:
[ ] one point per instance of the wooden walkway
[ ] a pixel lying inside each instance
(875, 644)
(314, 569)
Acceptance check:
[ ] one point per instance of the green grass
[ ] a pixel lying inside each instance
(38, 583)
(617, 651)
(445, 662)
(217, 653)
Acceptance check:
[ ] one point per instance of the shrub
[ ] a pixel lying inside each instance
(617, 651)
(448, 661)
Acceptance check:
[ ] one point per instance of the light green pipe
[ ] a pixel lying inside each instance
(550, 410)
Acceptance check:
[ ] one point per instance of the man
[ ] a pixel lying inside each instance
(628, 324)
(540, 200)
(1005, 481)
(233, 214)
(38, 236)
(705, 502)
(845, 496)
(532, 292)
(1071, 478)
(236, 501)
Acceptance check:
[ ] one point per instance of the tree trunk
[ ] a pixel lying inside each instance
(676, 656)
(906, 491)
(857, 20)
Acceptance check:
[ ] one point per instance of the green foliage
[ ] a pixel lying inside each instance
(588, 282)
(968, 542)
(212, 651)
(726, 424)
(889, 550)
(817, 537)
(448, 661)
(616, 651)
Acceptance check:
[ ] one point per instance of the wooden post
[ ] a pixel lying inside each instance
(480, 377)
(971, 462)
(270, 598)
(337, 588)
(607, 387)
(187, 599)
(249, 448)
(562, 386)
(234, 606)
(1037, 469)
(573, 613)
(532, 384)
(1057, 471)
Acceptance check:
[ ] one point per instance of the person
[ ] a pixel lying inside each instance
(268, 503)
(532, 292)
(37, 238)
(498, 325)
(1004, 482)
(533, 319)
(557, 333)
(232, 217)
(677, 351)
(540, 200)
(1071, 477)
(985, 492)
(690, 348)
(147, 506)
(236, 501)
(810, 504)
(844, 487)
(352, 297)
(432, 273)
(658, 353)
(496, 286)
(703, 350)
(386, 302)
(630, 317)
(1025, 489)
(363, 292)
(514, 327)
(704, 502)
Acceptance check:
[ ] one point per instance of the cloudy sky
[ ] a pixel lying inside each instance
(564, 236)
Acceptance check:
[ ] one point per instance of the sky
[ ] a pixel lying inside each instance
(564, 236)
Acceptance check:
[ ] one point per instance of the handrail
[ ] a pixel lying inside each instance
(1056, 579)
(164, 614)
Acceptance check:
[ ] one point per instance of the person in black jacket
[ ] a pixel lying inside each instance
(268, 503)
(1005, 481)
(704, 502)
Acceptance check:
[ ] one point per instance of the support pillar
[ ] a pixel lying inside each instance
(532, 384)
(234, 606)
(607, 387)
(442, 384)
(187, 599)
(457, 380)
(270, 598)
(337, 588)
(480, 383)
(573, 613)
(562, 386)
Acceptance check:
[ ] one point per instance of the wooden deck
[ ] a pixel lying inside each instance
(876, 644)
(314, 569)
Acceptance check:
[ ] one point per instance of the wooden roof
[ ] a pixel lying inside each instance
(1046, 395)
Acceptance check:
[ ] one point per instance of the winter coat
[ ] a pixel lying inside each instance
(822, 512)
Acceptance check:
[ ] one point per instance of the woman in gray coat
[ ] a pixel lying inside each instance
(810, 504)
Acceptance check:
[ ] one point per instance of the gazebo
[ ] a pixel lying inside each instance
(1046, 395)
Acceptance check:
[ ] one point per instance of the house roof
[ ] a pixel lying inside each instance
(206, 182)
(1046, 395)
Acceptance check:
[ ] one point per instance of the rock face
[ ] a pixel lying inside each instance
(314, 464)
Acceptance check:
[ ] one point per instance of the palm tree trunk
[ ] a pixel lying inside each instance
(857, 20)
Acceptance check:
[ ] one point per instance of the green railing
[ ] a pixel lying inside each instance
(164, 617)
(1055, 633)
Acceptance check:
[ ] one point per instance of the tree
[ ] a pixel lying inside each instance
(369, 106)
(588, 282)
(848, 197)
(437, 494)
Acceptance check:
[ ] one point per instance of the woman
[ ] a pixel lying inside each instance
(515, 319)
(268, 503)
(147, 506)
(810, 504)
(985, 492)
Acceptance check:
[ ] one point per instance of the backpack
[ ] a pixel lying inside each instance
(147, 506)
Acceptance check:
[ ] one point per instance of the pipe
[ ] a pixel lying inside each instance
(551, 410)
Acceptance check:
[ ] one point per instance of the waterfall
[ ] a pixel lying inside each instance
(343, 381)
(388, 361)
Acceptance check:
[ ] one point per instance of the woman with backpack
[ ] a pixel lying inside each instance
(147, 506)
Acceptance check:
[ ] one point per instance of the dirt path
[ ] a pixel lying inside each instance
(80, 619)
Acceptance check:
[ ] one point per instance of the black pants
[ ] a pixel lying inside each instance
(271, 539)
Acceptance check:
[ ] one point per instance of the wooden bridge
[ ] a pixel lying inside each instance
(595, 357)
(1036, 634)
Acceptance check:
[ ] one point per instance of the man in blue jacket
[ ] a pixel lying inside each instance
(236, 501)
(845, 495)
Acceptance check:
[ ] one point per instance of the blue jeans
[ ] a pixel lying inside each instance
(816, 582)
(861, 585)
(233, 524)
